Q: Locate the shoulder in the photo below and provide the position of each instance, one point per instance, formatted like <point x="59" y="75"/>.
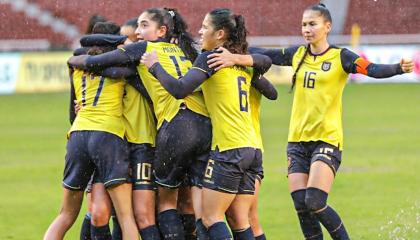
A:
<point x="293" y="49"/>
<point x="298" y="50"/>
<point x="346" y="53"/>
<point x="348" y="60"/>
<point x="134" y="46"/>
<point x="201" y="63"/>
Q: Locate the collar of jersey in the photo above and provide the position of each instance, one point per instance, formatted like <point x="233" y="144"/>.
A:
<point x="320" y="54"/>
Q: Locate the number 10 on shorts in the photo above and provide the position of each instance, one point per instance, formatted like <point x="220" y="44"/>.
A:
<point x="144" y="171"/>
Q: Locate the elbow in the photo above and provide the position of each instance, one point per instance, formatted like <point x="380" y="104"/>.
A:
<point x="265" y="63"/>
<point x="273" y="96"/>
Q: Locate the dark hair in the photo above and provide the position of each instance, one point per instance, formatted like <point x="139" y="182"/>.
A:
<point x="234" y="27"/>
<point x="325" y="13"/>
<point x="131" y="22"/>
<point x="297" y="68"/>
<point x="322" y="9"/>
<point x="93" y="20"/>
<point x="106" y="28"/>
<point x="176" y="27"/>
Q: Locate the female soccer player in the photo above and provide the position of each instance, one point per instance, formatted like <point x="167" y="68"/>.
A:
<point x="315" y="133"/>
<point x="184" y="130"/>
<point x="140" y="132"/>
<point x="233" y="211"/>
<point x="96" y="143"/>
<point x="231" y="170"/>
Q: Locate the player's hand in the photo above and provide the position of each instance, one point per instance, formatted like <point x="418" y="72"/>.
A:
<point x="78" y="61"/>
<point x="77" y="106"/>
<point x="148" y="59"/>
<point x="407" y="65"/>
<point x="222" y="58"/>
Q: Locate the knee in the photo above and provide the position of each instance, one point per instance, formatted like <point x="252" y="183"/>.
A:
<point x="100" y="214"/>
<point x="315" y="199"/>
<point x="230" y="217"/>
<point x="67" y="218"/>
<point x="209" y="220"/>
<point x="144" y="217"/>
<point x="299" y="200"/>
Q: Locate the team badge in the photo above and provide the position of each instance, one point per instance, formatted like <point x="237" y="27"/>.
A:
<point x="326" y="66"/>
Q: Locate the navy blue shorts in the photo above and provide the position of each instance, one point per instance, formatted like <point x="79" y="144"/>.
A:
<point x="233" y="171"/>
<point x="182" y="149"/>
<point x="260" y="169"/>
<point x="102" y="152"/>
<point x="300" y="156"/>
<point x="141" y="163"/>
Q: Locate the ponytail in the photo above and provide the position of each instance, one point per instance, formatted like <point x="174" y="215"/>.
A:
<point x="322" y="9"/>
<point x="176" y="27"/>
<point x="297" y="69"/>
<point x="185" y="40"/>
<point x="234" y="27"/>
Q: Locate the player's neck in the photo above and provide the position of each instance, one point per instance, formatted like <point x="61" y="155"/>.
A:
<point x="319" y="47"/>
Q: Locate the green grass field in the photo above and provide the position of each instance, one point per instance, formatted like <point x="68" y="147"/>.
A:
<point x="376" y="191"/>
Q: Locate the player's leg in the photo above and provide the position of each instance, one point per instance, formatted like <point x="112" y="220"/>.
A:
<point x="101" y="212"/>
<point x="186" y="210"/>
<point x="298" y="173"/>
<point x="85" y="229"/>
<point x="144" y="190"/>
<point x="215" y="204"/>
<point x="77" y="171"/>
<point x="325" y="162"/>
<point x="253" y="212"/>
<point x="173" y="156"/>
<point x="239" y="211"/>
<point x="238" y="216"/>
<point x="166" y="173"/>
<point x="116" y="228"/>
<point x="111" y="161"/>
<point x="222" y="180"/>
<point x="72" y="202"/>
<point x="121" y="196"/>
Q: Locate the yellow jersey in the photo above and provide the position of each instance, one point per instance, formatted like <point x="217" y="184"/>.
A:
<point x="226" y="93"/>
<point x="317" y="105"/>
<point x="139" y="120"/>
<point x="101" y="101"/>
<point x="173" y="60"/>
<point x="255" y="104"/>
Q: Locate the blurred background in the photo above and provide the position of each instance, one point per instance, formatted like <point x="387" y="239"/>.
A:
<point x="376" y="191"/>
<point x="48" y="27"/>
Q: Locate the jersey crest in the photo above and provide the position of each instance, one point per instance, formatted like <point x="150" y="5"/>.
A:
<point x="326" y="66"/>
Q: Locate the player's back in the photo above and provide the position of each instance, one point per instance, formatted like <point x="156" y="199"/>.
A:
<point x="100" y="99"/>
<point x="173" y="60"/>
<point x="226" y="94"/>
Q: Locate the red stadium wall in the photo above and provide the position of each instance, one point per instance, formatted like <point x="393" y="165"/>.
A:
<point x="384" y="16"/>
<point x="17" y="26"/>
<point x="263" y="18"/>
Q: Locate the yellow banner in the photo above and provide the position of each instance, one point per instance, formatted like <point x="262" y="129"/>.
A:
<point x="43" y="72"/>
<point x="279" y="75"/>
